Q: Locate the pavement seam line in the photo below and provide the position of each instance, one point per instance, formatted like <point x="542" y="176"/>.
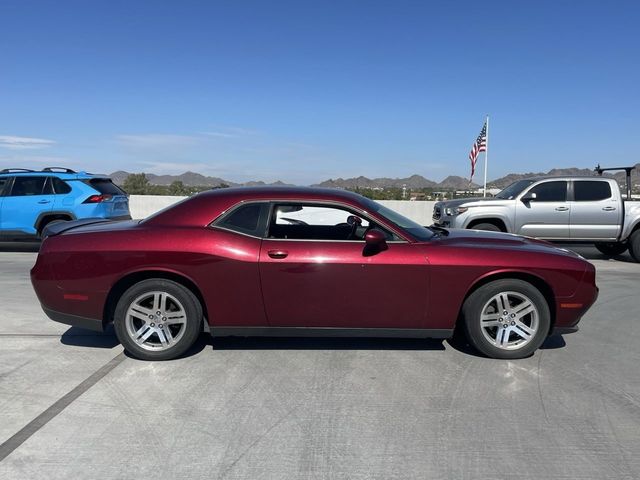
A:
<point x="58" y="407"/>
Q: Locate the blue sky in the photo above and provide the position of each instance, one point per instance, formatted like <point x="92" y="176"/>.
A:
<point x="307" y="90"/>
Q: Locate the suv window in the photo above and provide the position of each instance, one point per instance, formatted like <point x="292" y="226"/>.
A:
<point x="246" y="219"/>
<point x="105" y="186"/>
<point x="60" y="187"/>
<point x="550" y="192"/>
<point x="4" y="181"/>
<point x="23" y="186"/>
<point x="319" y="222"/>
<point x="591" y="190"/>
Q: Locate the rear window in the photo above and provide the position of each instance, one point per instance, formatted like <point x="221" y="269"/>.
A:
<point x="591" y="191"/>
<point x="105" y="186"/>
<point x="249" y="219"/>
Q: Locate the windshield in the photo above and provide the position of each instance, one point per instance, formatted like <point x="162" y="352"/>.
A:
<point x="415" y="229"/>
<point x="513" y="190"/>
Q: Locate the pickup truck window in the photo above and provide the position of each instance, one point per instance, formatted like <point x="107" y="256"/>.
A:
<point x="513" y="190"/>
<point x="591" y="191"/>
<point x="550" y="192"/>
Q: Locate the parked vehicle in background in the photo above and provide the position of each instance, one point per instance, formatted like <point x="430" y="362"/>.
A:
<point x="32" y="200"/>
<point x="304" y="261"/>
<point x="566" y="209"/>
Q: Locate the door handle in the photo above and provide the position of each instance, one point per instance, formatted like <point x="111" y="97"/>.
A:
<point x="44" y="201"/>
<point x="608" y="209"/>
<point x="277" y="254"/>
<point x="562" y="209"/>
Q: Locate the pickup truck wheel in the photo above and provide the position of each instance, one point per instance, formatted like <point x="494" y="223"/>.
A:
<point x="507" y="319"/>
<point x="612" y="249"/>
<point x="490" y="227"/>
<point x="634" y="245"/>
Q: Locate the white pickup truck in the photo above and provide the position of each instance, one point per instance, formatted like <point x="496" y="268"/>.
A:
<point x="566" y="209"/>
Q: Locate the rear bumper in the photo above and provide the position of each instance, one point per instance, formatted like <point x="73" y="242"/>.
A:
<point x="76" y="321"/>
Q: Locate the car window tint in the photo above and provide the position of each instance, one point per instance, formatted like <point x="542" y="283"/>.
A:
<point x="244" y="219"/>
<point x="319" y="222"/>
<point x="23" y="186"/>
<point x="4" y="181"/>
<point x="60" y="187"/>
<point x="591" y="191"/>
<point x="105" y="186"/>
<point x="48" y="187"/>
<point x="550" y="192"/>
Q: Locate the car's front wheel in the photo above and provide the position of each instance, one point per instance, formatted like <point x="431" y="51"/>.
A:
<point x="157" y="319"/>
<point x="507" y="319"/>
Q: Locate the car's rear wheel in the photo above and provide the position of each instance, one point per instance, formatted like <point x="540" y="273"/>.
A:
<point x="48" y="223"/>
<point x="157" y="319"/>
<point x="634" y="245"/>
<point x="612" y="249"/>
<point x="507" y="319"/>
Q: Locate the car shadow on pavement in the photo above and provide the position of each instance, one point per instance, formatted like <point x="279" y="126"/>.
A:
<point x="79" y="337"/>
<point x="324" y="343"/>
<point x="589" y="252"/>
<point x="460" y="343"/>
<point x="20" y="247"/>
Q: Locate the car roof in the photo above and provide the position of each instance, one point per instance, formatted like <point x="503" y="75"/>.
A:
<point x="566" y="177"/>
<point x="69" y="175"/>
<point x="285" y="193"/>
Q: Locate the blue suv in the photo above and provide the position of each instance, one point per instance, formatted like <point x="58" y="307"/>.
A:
<point x="31" y="200"/>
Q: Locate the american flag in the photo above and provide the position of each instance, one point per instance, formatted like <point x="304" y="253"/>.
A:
<point x="480" y="145"/>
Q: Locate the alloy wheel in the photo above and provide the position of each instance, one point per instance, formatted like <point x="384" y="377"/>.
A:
<point x="509" y="320"/>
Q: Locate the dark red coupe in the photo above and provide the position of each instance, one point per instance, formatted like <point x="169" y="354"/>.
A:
<point x="305" y="261"/>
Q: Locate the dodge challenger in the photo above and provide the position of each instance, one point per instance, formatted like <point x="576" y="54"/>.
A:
<point x="285" y="261"/>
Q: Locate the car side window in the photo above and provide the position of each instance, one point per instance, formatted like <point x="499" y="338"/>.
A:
<point x="25" y="186"/>
<point x="249" y="219"/>
<point x="59" y="187"/>
<point x="550" y="192"/>
<point x="299" y="221"/>
<point x="4" y="181"/>
<point x="591" y="191"/>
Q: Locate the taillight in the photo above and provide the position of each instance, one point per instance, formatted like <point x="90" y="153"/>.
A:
<point x="98" y="198"/>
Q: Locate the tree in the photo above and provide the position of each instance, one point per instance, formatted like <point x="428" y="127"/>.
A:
<point x="178" y="188"/>
<point x="136" y="184"/>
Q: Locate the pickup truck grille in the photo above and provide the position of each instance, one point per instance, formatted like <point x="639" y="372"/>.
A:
<point x="437" y="213"/>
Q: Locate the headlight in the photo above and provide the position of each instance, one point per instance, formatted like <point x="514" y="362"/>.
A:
<point x="456" y="210"/>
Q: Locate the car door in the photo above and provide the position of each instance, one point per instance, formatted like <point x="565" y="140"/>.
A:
<point x="29" y="197"/>
<point x="316" y="273"/>
<point x="543" y="211"/>
<point x="4" y="183"/>
<point x="595" y="211"/>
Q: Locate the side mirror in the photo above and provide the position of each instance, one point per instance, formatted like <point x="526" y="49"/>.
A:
<point x="527" y="197"/>
<point x="375" y="238"/>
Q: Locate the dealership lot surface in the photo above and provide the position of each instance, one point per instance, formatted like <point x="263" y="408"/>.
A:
<point x="320" y="408"/>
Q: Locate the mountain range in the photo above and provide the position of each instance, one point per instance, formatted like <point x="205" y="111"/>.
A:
<point x="414" y="182"/>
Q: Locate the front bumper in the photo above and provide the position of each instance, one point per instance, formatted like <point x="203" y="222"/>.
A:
<point x="76" y="321"/>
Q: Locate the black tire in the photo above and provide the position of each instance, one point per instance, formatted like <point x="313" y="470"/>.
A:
<point x="178" y="295"/>
<point x="47" y="223"/>
<point x="634" y="245"/>
<point x="489" y="227"/>
<point x="612" y="249"/>
<point x="472" y="311"/>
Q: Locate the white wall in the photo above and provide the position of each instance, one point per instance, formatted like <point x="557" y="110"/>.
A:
<point x="144" y="205"/>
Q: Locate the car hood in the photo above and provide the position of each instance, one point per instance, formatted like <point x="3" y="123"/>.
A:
<point x="485" y="239"/>
<point x="473" y="202"/>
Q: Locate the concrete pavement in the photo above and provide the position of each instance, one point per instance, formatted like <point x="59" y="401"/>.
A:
<point x="322" y="408"/>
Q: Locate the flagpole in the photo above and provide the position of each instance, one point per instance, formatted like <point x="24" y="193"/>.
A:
<point x="486" y="159"/>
